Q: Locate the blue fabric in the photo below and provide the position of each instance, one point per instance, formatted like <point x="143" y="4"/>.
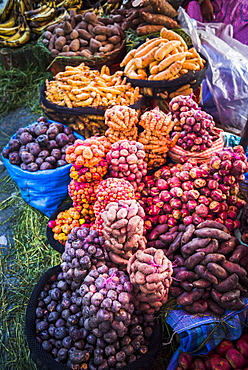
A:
<point x="195" y="330"/>
<point x="43" y="190"/>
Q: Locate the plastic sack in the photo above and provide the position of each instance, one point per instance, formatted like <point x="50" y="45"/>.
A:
<point x="44" y="190"/>
<point x="225" y="88"/>
<point x="199" y="335"/>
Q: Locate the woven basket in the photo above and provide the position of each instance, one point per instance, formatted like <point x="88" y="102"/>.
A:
<point x="163" y="89"/>
<point x="58" y="63"/>
<point x="87" y="121"/>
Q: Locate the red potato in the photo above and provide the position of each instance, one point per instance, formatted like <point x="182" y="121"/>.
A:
<point x="175" y="291"/>
<point x="211" y="223"/>
<point x="158" y="230"/>
<point x="217" y="270"/>
<point x="208" y="232"/>
<point x="242" y="346"/>
<point x="185" y="360"/>
<point x="192" y="261"/>
<point x="188" y="298"/>
<point x="210" y="248"/>
<point x="223" y="346"/>
<point x="232" y="267"/>
<point x="188" y="234"/>
<point x="230" y="296"/>
<point x="227" y="284"/>
<point x="235" y="358"/>
<point x="214" y="307"/>
<point x="213" y="257"/>
<point x="200" y="306"/>
<point x="186" y="275"/>
<point x="226" y="247"/>
<point x="239" y="252"/>
<point x="201" y="283"/>
<point x="198" y="364"/>
<point x="219" y="364"/>
<point x="195" y="243"/>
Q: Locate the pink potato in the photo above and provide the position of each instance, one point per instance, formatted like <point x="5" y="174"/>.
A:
<point x="223" y="346"/>
<point x="235" y="358"/>
<point x="242" y="346"/>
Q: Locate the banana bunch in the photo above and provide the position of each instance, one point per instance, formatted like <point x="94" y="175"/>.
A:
<point x="15" y="36"/>
<point x="44" y="16"/>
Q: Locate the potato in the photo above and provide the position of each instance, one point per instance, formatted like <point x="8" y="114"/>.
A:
<point x="60" y="42"/>
<point x="82" y="25"/>
<point x="83" y="34"/>
<point x="106" y="48"/>
<point x="67" y="28"/>
<point x="75" y="45"/>
<point x="102" y="30"/>
<point x="101" y="38"/>
<point x="47" y="35"/>
<point x="83" y="43"/>
<point x="94" y="44"/>
<point x="114" y="39"/>
<point x="74" y="34"/>
<point x="90" y="17"/>
<point x="65" y="48"/>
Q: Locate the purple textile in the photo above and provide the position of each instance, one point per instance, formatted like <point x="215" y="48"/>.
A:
<point x="234" y="12"/>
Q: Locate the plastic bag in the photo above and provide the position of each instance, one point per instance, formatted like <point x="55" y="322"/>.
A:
<point x="44" y="190"/>
<point x="199" y="335"/>
<point x="225" y="88"/>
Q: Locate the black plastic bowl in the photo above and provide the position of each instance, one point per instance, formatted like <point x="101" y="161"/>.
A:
<point x="45" y="361"/>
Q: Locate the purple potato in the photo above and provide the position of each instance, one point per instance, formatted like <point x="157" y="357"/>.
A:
<point x="62" y="139"/>
<point x="62" y="354"/>
<point x="67" y="342"/>
<point x="40" y="129"/>
<point x="50" y="159"/>
<point x="32" y="167"/>
<point x="5" y="152"/>
<point x="33" y="148"/>
<point x="14" y="158"/>
<point x="77" y="356"/>
<point x="42" y="140"/>
<point x="43" y="154"/>
<point x="43" y="119"/>
<point x="64" y="148"/>
<point x="52" y="145"/>
<point x="46" y="166"/>
<point x="56" y="153"/>
<point x="27" y="157"/>
<point x="52" y="131"/>
<point x="67" y="130"/>
<point x="71" y="138"/>
<point x="14" y="145"/>
<point x="60" y="332"/>
<point x="21" y="130"/>
<point x="23" y="166"/>
<point x="47" y="346"/>
<point x="39" y="161"/>
<point x="25" y="138"/>
<point x="53" y="316"/>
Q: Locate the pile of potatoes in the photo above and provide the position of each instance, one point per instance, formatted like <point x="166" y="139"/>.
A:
<point x="123" y="230"/>
<point x="83" y="35"/>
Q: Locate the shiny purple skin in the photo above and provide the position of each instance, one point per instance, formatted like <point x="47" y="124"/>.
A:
<point x="62" y="139"/>
<point x="32" y="167"/>
<point x="33" y="148"/>
<point x="27" y="157"/>
<point x="14" y="145"/>
<point x="25" y="138"/>
<point x="46" y="166"/>
<point x="14" y="158"/>
<point x="40" y="129"/>
<point x="42" y="140"/>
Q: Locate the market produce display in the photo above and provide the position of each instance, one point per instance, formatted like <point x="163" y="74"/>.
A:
<point x="82" y="87"/>
<point x="227" y="355"/>
<point x="41" y="146"/>
<point x="83" y="35"/>
<point x="166" y="57"/>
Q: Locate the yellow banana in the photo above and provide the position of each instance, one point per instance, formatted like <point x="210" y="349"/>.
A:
<point x="58" y="19"/>
<point x="30" y="13"/>
<point x="23" y="36"/>
<point x="44" y="16"/>
<point x="5" y="31"/>
<point x="9" y="23"/>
